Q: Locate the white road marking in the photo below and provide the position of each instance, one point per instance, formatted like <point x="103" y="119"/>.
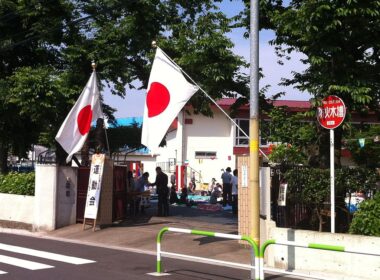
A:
<point x="3" y="272"/>
<point x="23" y="263"/>
<point x="44" y="255"/>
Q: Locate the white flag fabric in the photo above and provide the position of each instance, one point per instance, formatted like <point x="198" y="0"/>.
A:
<point x="74" y="130"/>
<point x="168" y="92"/>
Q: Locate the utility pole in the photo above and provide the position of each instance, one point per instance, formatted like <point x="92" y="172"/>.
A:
<point x="254" y="188"/>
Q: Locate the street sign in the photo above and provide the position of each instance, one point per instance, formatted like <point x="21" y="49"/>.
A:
<point x="332" y="112"/>
<point x="331" y="115"/>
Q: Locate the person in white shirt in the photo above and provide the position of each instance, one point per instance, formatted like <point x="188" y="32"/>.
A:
<point x="235" y="192"/>
<point x="211" y="186"/>
<point x="226" y="180"/>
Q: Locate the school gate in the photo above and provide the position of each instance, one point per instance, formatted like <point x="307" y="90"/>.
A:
<point x="119" y="197"/>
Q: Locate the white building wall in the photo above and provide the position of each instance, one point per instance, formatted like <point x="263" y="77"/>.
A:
<point x="210" y="135"/>
<point x="170" y="150"/>
<point x="205" y="134"/>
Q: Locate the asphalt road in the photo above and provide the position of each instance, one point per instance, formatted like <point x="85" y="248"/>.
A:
<point x="19" y="260"/>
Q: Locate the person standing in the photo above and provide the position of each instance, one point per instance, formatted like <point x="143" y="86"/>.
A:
<point x="162" y="190"/>
<point x="173" y="195"/>
<point x="227" y="186"/>
<point x="212" y="186"/>
<point x="234" y="192"/>
<point x="140" y="188"/>
<point x="172" y="179"/>
<point x="193" y="184"/>
<point x="131" y="199"/>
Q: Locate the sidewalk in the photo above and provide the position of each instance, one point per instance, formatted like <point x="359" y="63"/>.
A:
<point x="140" y="233"/>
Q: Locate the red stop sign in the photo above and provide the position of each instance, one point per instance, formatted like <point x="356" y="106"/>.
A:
<point x="332" y="112"/>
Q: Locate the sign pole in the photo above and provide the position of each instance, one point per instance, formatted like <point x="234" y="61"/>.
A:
<point x="332" y="180"/>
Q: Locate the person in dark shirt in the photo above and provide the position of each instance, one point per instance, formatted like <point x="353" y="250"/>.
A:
<point x="162" y="190"/>
<point x="173" y="195"/>
<point x="183" y="197"/>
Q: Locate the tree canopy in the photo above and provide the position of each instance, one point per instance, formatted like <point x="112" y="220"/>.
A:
<point x="46" y="48"/>
<point x="342" y="52"/>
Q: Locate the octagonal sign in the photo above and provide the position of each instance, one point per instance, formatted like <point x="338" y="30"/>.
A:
<point x="332" y="112"/>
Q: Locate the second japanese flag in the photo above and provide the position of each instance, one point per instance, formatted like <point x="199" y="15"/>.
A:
<point x="168" y="92"/>
<point x="74" y="130"/>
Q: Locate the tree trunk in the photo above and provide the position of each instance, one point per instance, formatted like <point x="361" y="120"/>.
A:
<point x="60" y="155"/>
<point x="324" y="148"/>
<point x="338" y="146"/>
<point x="3" y="158"/>
<point x="320" y="219"/>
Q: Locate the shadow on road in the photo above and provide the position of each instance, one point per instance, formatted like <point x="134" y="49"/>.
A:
<point x="200" y="275"/>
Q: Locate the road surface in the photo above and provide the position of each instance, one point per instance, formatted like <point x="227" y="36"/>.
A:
<point x="24" y="257"/>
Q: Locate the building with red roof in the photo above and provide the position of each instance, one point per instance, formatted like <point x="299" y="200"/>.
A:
<point x="207" y="145"/>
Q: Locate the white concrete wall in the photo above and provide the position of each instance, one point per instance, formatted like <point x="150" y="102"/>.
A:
<point x="54" y="203"/>
<point x="66" y="196"/>
<point x="17" y="208"/>
<point x="325" y="263"/>
<point x="45" y="197"/>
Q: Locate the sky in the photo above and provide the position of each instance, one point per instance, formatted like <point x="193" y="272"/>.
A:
<point x="133" y="104"/>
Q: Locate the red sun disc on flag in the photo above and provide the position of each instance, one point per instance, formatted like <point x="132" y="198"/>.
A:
<point x="157" y="100"/>
<point x="84" y="120"/>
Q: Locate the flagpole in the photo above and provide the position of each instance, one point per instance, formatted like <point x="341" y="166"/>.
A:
<point x="93" y="65"/>
<point x="208" y="96"/>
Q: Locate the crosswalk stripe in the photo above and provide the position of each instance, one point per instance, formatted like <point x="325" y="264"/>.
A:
<point x="43" y="254"/>
<point x="3" y="272"/>
<point x="23" y="263"/>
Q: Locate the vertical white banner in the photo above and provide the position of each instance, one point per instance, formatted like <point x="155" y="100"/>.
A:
<point x="281" y="201"/>
<point x="94" y="186"/>
<point x="244" y="176"/>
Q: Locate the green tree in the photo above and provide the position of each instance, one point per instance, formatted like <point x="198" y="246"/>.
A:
<point x="369" y="155"/>
<point x="31" y="33"/>
<point x="312" y="187"/>
<point x="286" y="154"/>
<point x="341" y="47"/>
<point x="297" y="131"/>
<point x="125" y="138"/>
<point x="192" y="33"/>
<point x="46" y="47"/>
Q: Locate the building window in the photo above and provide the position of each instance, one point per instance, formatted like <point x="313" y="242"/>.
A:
<point x="240" y="138"/>
<point x="211" y="155"/>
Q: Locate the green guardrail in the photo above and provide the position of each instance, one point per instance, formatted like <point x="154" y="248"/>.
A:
<point x="248" y="239"/>
<point x="258" y="251"/>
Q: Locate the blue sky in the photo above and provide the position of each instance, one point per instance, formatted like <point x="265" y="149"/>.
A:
<point x="133" y="104"/>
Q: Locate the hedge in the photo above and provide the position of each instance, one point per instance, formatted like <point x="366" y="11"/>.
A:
<point x="367" y="219"/>
<point x="17" y="183"/>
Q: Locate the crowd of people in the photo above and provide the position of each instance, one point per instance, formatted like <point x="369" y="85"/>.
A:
<point x="228" y="191"/>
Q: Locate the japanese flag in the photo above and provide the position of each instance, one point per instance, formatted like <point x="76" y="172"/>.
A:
<point x="168" y="92"/>
<point x="74" y="130"/>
